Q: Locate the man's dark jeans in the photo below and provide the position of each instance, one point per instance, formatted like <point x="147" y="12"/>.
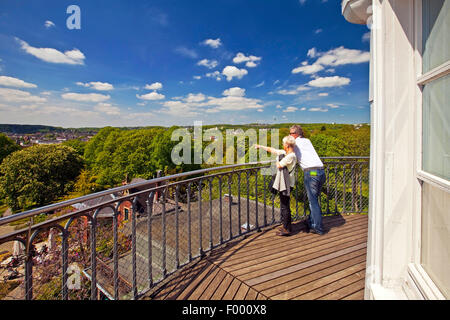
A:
<point x="314" y="181"/>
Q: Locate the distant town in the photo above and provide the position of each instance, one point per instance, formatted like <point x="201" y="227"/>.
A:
<point x="28" y="135"/>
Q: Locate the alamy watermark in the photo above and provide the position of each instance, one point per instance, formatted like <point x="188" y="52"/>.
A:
<point x="74" y="20"/>
<point x="234" y="145"/>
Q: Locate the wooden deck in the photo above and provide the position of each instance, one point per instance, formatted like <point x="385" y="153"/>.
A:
<point x="266" y="266"/>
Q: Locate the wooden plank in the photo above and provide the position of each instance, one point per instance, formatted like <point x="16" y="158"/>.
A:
<point x="359" y="295"/>
<point x="232" y="289"/>
<point x="310" y="275"/>
<point x="242" y="292"/>
<point x="282" y="251"/>
<point x="261" y="296"/>
<point x="293" y="293"/>
<point x="250" y="247"/>
<point x="339" y="284"/>
<point x="271" y="280"/>
<point x="251" y="294"/>
<point x="177" y="283"/>
<point x="213" y="286"/>
<point x="258" y="241"/>
<point x="248" y="255"/>
<point x="260" y="268"/>
<point x="219" y="293"/>
<point x="351" y="289"/>
<point x="191" y="287"/>
<point x="200" y="289"/>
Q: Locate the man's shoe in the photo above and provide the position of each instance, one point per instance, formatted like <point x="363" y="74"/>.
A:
<point x="321" y="233"/>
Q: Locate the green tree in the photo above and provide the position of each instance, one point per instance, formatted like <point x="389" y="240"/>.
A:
<point x="76" y="144"/>
<point x="7" y="146"/>
<point x="38" y="175"/>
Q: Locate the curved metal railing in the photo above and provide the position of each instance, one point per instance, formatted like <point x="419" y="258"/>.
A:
<point x="121" y="242"/>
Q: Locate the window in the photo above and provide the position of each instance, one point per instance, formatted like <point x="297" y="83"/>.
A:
<point x="435" y="162"/>
<point x="125" y="214"/>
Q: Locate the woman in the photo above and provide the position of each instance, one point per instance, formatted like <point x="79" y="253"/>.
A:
<point x="289" y="162"/>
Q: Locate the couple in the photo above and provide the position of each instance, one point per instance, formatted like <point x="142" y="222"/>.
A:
<point x="297" y="148"/>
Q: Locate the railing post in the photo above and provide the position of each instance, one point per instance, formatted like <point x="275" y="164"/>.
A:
<point x="220" y="209"/>
<point x="247" y="175"/>
<point x="230" y="203"/>
<point x="210" y="215"/>
<point x="164" y="235"/>
<point x="93" y="223"/>
<point x="116" y="254"/>
<point x="29" y="274"/>
<point x="133" y="247"/>
<point x="177" y="246"/>
<point x="189" y="221"/>
<point x="239" y="205"/>
<point x="149" y="204"/>
<point x="200" y="233"/>
<point x="256" y="200"/>
<point x="65" y="265"/>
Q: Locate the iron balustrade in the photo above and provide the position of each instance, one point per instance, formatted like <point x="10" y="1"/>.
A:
<point x="104" y="251"/>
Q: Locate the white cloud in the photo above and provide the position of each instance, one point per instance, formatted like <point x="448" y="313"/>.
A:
<point x="231" y="71"/>
<point x="151" y="96"/>
<point x="85" y="97"/>
<point x="190" y="53"/>
<point x="213" y="43"/>
<point x="250" y="60"/>
<point x="49" y="24"/>
<point x="210" y="64"/>
<point x="154" y="86"/>
<point x="107" y="108"/>
<point x="234" y="92"/>
<point x="195" y="104"/>
<point x="318" y="109"/>
<point x="302" y="2"/>
<point x="342" y="56"/>
<point x="215" y="74"/>
<point x="260" y="84"/>
<point x="75" y="56"/>
<point x="197" y="77"/>
<point x="323" y="94"/>
<point x="279" y="107"/>
<point x="293" y="91"/>
<point x="335" y="57"/>
<point x="14" y="82"/>
<point x="308" y="69"/>
<point x="333" y="106"/>
<point x="318" y="31"/>
<point x="100" y="86"/>
<point x="324" y="82"/>
<point x="14" y="95"/>
<point x="290" y="109"/>
<point x="195" y="97"/>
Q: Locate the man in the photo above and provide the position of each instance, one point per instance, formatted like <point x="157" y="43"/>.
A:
<point x="314" y="178"/>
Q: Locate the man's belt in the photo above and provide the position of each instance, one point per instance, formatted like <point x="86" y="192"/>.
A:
<point x="312" y="169"/>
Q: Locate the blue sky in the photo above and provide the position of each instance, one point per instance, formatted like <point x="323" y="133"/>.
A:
<point x="138" y="63"/>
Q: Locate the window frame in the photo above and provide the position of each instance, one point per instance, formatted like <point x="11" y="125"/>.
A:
<point x="417" y="275"/>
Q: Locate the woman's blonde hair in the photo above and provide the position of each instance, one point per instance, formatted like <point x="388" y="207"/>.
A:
<point x="289" y="140"/>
